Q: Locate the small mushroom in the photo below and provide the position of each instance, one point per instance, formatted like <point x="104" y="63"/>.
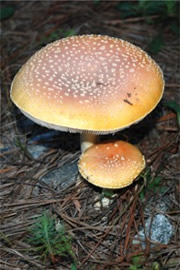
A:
<point x="111" y="165"/>
<point x="90" y="84"/>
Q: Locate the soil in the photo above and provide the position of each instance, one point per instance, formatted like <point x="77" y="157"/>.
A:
<point x="102" y="238"/>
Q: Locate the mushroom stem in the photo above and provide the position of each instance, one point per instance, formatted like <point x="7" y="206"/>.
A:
<point x="87" y="140"/>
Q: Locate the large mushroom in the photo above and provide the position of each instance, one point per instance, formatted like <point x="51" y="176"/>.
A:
<point x="90" y="84"/>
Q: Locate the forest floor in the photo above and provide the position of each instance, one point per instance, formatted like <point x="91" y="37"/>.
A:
<point x="94" y="238"/>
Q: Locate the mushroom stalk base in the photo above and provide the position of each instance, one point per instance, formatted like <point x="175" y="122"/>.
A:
<point x="88" y="140"/>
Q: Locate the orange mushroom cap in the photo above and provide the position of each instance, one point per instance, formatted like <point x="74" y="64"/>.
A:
<point x="88" y="83"/>
<point x="111" y="165"/>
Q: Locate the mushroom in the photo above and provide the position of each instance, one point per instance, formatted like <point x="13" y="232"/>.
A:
<point x="90" y="84"/>
<point x="111" y="165"/>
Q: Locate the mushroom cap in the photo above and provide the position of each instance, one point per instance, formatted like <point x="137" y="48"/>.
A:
<point x="89" y="83"/>
<point x="111" y="165"/>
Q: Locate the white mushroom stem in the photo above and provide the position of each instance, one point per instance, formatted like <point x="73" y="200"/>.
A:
<point x="87" y="140"/>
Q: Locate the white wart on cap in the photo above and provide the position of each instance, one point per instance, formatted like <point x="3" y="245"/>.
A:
<point x="88" y="83"/>
<point x="111" y="165"/>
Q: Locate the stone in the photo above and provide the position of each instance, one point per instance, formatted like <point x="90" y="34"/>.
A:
<point x="158" y="230"/>
<point x="62" y="177"/>
<point x="37" y="150"/>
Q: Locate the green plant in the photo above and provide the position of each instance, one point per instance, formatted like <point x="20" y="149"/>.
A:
<point x="137" y="262"/>
<point x="6" y="12"/>
<point x="162" y="13"/>
<point x="21" y="144"/>
<point x="165" y="10"/>
<point x="69" y="32"/>
<point x="156" y="44"/>
<point x="50" y="240"/>
<point x="96" y="1"/>
<point x="153" y="184"/>
<point x="55" y="35"/>
<point x="173" y="105"/>
<point x="107" y="193"/>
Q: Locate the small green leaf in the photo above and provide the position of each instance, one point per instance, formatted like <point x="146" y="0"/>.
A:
<point x="6" y="12"/>
<point x="155" y="183"/>
<point x="107" y="193"/>
<point x="54" y="35"/>
<point x="125" y="6"/>
<point x="141" y="195"/>
<point x="173" y="105"/>
<point x="175" y="27"/>
<point x="156" y="44"/>
<point x="171" y="7"/>
<point x="135" y="260"/>
<point x="73" y="267"/>
<point x="146" y="7"/>
<point x="96" y="2"/>
<point x="132" y="267"/>
<point x="138" y="261"/>
<point x="146" y="175"/>
<point x="128" y="9"/>
<point x="69" y="33"/>
<point x="163" y="189"/>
